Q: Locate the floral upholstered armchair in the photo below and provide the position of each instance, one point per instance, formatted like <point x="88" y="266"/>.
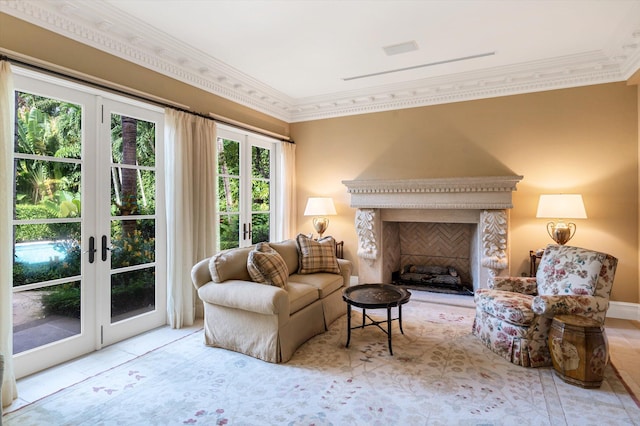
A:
<point x="514" y="315"/>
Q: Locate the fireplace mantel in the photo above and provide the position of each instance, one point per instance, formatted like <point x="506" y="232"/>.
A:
<point x="478" y="193"/>
<point x="483" y="200"/>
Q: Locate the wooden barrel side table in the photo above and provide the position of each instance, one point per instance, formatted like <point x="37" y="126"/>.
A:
<point x="579" y="350"/>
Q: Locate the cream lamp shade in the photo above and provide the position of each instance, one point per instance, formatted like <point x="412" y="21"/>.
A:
<point x="560" y="207"/>
<point x="320" y="207"/>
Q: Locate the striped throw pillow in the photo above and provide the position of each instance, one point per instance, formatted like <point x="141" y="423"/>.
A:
<point x="317" y="256"/>
<point x="266" y="266"/>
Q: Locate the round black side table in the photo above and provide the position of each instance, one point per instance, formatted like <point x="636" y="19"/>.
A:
<point x="375" y="296"/>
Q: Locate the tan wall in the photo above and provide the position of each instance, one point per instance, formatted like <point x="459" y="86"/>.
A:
<point x="26" y="39"/>
<point x="582" y="140"/>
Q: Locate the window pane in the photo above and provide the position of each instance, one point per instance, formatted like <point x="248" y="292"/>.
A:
<point x="45" y="315"/>
<point x="46" y="252"/>
<point x="228" y="157"/>
<point x="260" y="227"/>
<point x="132" y="141"/>
<point x="132" y="242"/>
<point x="260" y="195"/>
<point x="229" y="235"/>
<point x="132" y="293"/>
<point x="146" y="143"/>
<point x="132" y="191"/>
<point x="260" y="162"/>
<point x="228" y="194"/>
<point x="47" y="189"/>
<point x="46" y="126"/>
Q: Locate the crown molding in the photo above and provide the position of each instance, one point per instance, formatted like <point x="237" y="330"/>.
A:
<point x="94" y="24"/>
<point x="105" y="28"/>
<point x="577" y="70"/>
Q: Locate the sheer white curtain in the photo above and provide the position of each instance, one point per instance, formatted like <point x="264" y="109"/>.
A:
<point x="287" y="190"/>
<point x="190" y="167"/>
<point x="9" y="390"/>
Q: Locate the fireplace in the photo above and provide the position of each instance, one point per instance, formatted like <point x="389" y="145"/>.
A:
<point x="469" y="214"/>
<point x="434" y="256"/>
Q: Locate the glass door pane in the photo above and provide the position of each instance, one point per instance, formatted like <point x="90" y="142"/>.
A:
<point x="47" y="215"/>
<point x="260" y="194"/>
<point x="133" y="223"/>
<point x="229" y="194"/>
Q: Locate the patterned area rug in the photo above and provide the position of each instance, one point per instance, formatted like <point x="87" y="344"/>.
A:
<point x="440" y="374"/>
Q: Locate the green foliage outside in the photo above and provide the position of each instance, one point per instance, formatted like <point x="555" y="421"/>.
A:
<point x="229" y="193"/>
<point x="30" y="273"/>
<point x="129" y="291"/>
<point x="49" y="129"/>
<point x="132" y="290"/>
<point x="42" y="231"/>
<point x="135" y="249"/>
<point x="49" y="187"/>
<point x="62" y="300"/>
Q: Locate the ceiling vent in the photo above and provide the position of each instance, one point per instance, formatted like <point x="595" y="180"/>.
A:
<point x="414" y="67"/>
<point x="396" y="49"/>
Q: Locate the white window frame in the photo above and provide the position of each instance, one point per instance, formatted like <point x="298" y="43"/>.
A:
<point x="247" y="139"/>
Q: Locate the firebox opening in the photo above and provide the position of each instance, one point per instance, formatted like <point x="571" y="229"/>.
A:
<point x="437" y="279"/>
<point x="433" y="256"/>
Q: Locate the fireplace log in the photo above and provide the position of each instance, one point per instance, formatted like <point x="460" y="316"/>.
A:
<point x="431" y="274"/>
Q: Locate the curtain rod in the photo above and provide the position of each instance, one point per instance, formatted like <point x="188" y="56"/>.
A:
<point x="144" y="97"/>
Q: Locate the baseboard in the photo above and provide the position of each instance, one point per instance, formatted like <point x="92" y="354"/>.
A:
<point x="624" y="310"/>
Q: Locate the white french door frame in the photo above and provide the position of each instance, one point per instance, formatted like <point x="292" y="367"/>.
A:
<point x="246" y="141"/>
<point x="113" y="332"/>
<point x="41" y="357"/>
<point x="97" y="330"/>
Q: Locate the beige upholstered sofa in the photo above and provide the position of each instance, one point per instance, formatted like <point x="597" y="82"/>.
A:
<point x="267" y="321"/>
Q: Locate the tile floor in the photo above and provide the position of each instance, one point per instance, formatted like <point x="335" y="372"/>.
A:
<point x="624" y="350"/>
<point x="623" y="337"/>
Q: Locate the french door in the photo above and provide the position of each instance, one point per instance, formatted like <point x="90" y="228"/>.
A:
<point x="246" y="201"/>
<point x="88" y="228"/>
<point x="130" y="221"/>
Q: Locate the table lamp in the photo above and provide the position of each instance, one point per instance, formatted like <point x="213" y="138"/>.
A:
<point x="560" y="207"/>
<point x="320" y="207"/>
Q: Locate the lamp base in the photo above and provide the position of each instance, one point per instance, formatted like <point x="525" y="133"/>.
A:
<point x="561" y="232"/>
<point x="320" y="224"/>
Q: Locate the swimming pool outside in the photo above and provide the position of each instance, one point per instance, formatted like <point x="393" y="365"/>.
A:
<point x="39" y="252"/>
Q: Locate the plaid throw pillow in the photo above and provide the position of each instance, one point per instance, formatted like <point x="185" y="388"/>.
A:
<point x="317" y="256"/>
<point x="266" y="266"/>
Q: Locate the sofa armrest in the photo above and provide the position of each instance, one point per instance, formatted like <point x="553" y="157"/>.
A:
<point x="248" y="296"/>
<point x="200" y="274"/>
<point x="524" y="285"/>
<point x="589" y="306"/>
<point x="345" y="270"/>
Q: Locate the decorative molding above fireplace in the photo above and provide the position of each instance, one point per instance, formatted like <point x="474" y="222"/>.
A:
<point x="481" y="200"/>
<point x="490" y="192"/>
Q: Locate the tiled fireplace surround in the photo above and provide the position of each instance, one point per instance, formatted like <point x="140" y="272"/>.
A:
<point x="387" y="207"/>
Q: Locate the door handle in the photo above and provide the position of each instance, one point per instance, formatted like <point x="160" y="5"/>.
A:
<point x="104" y="248"/>
<point x="246" y="231"/>
<point x="92" y="249"/>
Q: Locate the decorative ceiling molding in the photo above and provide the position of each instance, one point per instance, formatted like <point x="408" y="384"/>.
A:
<point x="105" y="28"/>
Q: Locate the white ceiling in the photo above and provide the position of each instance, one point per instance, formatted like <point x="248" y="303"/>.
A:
<point x="290" y="58"/>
